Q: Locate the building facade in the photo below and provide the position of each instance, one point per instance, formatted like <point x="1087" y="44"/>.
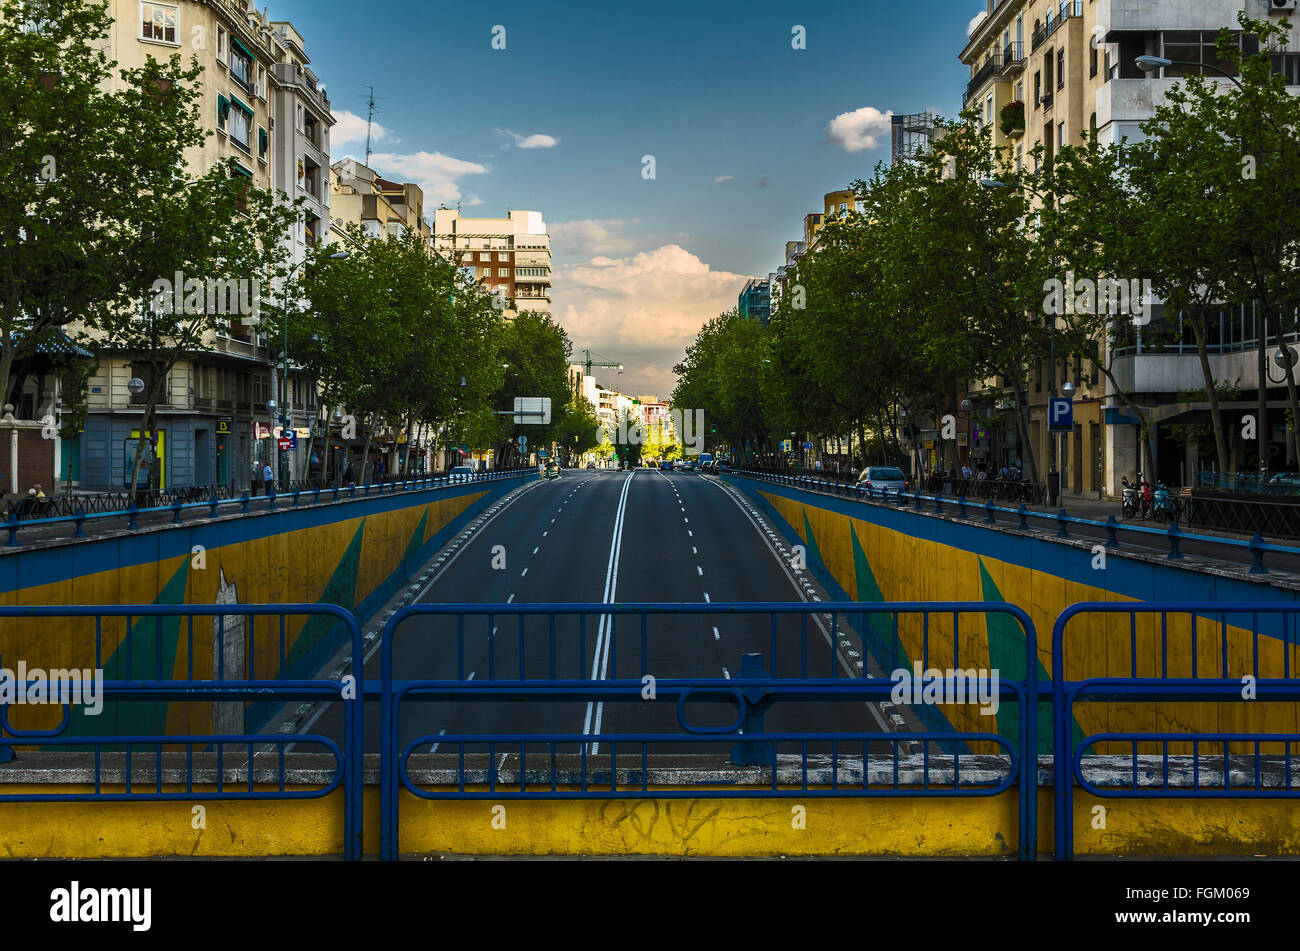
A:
<point x="213" y="422"/>
<point x="511" y="255"/>
<point x="1046" y="73"/>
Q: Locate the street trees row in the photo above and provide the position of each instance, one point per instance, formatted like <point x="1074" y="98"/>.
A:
<point x="944" y="280"/>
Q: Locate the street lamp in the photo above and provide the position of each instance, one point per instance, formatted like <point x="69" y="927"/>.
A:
<point x="1149" y="64"/>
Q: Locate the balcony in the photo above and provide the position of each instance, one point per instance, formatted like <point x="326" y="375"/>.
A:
<point x="1067" y="11"/>
<point x="990" y="68"/>
<point x="1013" y="58"/>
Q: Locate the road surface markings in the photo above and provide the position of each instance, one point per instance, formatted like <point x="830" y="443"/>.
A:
<point x="716" y="636"/>
<point x="693" y="551"/>
<point x="535" y="549"/>
<point x="600" y="661"/>
<point x="690" y="533"/>
<point x="545" y="533"/>
<point x="726" y="673"/>
<point x="706" y="598"/>
<point x="510" y="599"/>
<point x="699" y="571"/>
<point x="434" y="748"/>
<point x="524" y="572"/>
<point x="725" y="490"/>
<point x="552" y="521"/>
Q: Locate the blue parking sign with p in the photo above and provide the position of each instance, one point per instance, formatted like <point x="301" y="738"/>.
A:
<point x="1060" y="414"/>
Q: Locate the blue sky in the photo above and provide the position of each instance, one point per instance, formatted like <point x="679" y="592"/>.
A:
<point x="558" y="122"/>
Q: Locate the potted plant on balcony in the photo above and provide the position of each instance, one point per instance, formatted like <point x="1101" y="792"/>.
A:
<point x="1012" y="117"/>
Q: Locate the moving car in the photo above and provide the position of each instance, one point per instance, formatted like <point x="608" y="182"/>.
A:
<point x="665" y="464"/>
<point x="461" y="474"/>
<point x="550" y="471"/>
<point x="886" y="478"/>
<point x="591" y="465"/>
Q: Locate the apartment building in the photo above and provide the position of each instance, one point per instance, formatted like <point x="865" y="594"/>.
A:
<point x="213" y="421"/>
<point x="1045" y="72"/>
<point x="512" y="254"/>
<point x="360" y="196"/>
<point x="754" y="300"/>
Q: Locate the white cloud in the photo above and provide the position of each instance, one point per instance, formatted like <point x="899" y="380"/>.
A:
<point x="860" y="129"/>
<point x="975" y="21"/>
<point x="350" y="127"/>
<point x="642" y="309"/>
<point x="581" y="239"/>
<point x="435" y="173"/>
<point x="470" y="200"/>
<point x="537" y="140"/>
<point x="723" y="178"/>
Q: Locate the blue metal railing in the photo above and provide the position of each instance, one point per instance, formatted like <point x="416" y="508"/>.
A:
<point x="448" y="634"/>
<point x="535" y="673"/>
<point x="226" y="506"/>
<point x="1061" y="520"/>
<point x="1202" y="672"/>
<point x="139" y="679"/>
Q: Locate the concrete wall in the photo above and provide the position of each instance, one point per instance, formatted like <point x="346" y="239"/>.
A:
<point x="871" y="552"/>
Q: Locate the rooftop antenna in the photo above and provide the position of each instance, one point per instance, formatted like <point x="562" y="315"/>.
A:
<point x="370" y="115"/>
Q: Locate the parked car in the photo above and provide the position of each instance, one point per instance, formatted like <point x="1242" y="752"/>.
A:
<point x="665" y="464"/>
<point x="461" y="474"/>
<point x="688" y="466"/>
<point x="886" y="478"/>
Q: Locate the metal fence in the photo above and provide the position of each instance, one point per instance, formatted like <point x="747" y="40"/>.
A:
<point x="810" y="666"/>
<point x="1246" y="515"/>
<point x="1255" y="483"/>
<point x="580" y="701"/>
<point x="215" y="504"/>
<point x="1171" y="538"/>
<point x="1194" y="652"/>
<point x="150" y="657"/>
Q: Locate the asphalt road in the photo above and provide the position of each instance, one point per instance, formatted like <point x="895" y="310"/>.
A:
<point x="605" y="536"/>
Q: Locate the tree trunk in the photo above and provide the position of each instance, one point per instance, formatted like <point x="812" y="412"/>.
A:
<point x="365" y="453"/>
<point x="1207" y="374"/>
<point x="1261" y="423"/>
<point x="146" y="427"/>
<point x="406" y="460"/>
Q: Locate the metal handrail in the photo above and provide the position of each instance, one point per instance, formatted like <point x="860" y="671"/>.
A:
<point x="1174" y="536"/>
<point x="297" y="496"/>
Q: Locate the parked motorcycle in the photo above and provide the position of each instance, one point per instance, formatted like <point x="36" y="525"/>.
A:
<point x="1131" y="503"/>
<point x="1166" y="506"/>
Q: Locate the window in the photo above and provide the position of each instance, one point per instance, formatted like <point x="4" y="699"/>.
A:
<point x="1092" y="62"/>
<point x="1193" y="47"/>
<point x="467" y="257"/>
<point x="1038" y="89"/>
<point x="158" y="22"/>
<point x="1060" y="68"/>
<point x="503" y="256"/>
<point x="223" y="112"/>
<point x="223" y="47"/>
<point x="263" y="141"/>
<point x="484" y="256"/>
<point x="503" y="272"/>
<point x="241" y="125"/>
<point x="261" y="81"/>
<point x="241" y="66"/>
<point x="1060" y="134"/>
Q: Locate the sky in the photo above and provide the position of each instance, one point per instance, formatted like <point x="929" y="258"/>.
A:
<point x="746" y="133"/>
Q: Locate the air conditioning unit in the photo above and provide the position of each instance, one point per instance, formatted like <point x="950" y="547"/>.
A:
<point x="1282" y="6"/>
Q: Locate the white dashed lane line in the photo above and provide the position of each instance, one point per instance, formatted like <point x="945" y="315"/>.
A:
<point x="524" y="572"/>
<point x="716" y="636"/>
<point x="535" y="549"/>
<point x="510" y="599"/>
<point x="698" y="570"/>
<point x="726" y="673"/>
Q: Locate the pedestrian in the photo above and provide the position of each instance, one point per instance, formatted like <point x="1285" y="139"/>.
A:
<point x="349" y="474"/>
<point x="982" y="474"/>
<point x="255" y="482"/>
<point x="36" y="492"/>
<point x="314" y="468"/>
<point x="965" y="471"/>
<point x="268" y="479"/>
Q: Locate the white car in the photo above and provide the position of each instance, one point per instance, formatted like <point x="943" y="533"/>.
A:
<point x="461" y="474"/>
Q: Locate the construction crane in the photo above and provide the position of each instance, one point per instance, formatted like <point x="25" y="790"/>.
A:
<point x="589" y="363"/>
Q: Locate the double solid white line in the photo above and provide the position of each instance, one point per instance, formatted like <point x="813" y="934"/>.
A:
<point x="605" y="632"/>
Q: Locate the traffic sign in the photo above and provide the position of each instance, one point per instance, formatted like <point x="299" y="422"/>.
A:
<point x="523" y="441"/>
<point x="542" y="453"/>
<point x="1060" y="414"/>
<point x="285" y="443"/>
<point x="786" y="445"/>
<point x="807" y="445"/>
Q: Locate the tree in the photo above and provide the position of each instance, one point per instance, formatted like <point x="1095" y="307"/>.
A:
<point x="88" y="201"/>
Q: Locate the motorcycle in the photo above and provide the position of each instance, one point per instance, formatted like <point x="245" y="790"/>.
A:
<point x="1166" y="506"/>
<point x="1130" y="504"/>
<point x="1148" y="498"/>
